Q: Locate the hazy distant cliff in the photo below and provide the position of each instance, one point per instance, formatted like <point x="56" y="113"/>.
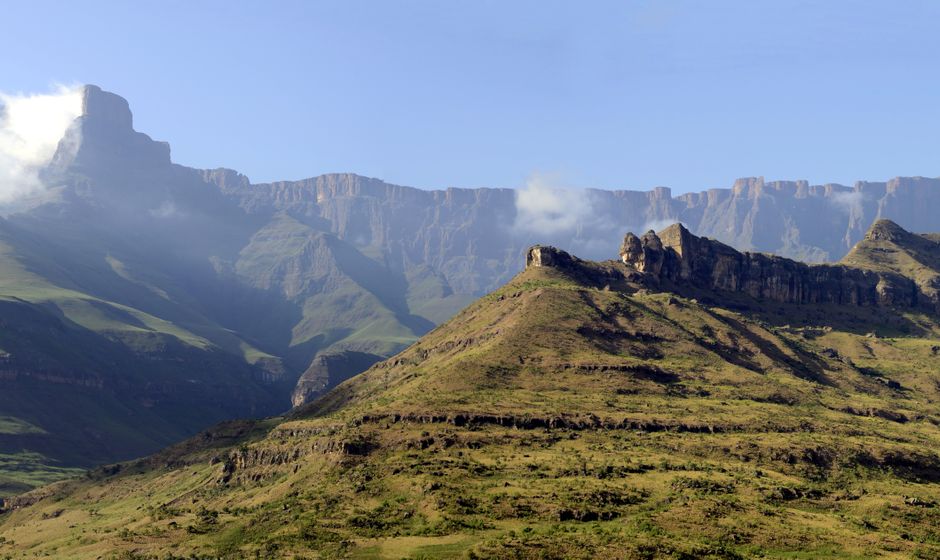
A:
<point x="473" y="236"/>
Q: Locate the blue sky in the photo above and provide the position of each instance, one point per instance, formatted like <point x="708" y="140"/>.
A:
<point x="435" y="94"/>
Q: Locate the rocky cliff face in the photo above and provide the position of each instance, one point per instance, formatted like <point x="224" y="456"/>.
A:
<point x="676" y="257"/>
<point x="539" y="256"/>
<point x="474" y="237"/>
<point x="104" y="135"/>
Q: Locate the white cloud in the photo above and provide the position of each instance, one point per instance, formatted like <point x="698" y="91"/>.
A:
<point x="849" y="202"/>
<point x="167" y="209"/>
<point x="584" y="221"/>
<point x="544" y="208"/>
<point x="30" y="129"/>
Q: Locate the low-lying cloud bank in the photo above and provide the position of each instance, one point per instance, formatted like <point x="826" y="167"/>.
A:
<point x="31" y="126"/>
<point x="849" y="202"/>
<point x="585" y="221"/>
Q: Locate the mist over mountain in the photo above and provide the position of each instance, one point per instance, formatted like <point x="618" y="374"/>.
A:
<point x="145" y="300"/>
<point x="31" y="127"/>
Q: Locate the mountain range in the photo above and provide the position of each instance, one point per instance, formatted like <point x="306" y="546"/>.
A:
<point x="685" y="400"/>
<point x="144" y="300"/>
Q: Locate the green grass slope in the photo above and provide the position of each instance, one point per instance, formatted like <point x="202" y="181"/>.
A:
<point x="557" y="418"/>
<point x="102" y="379"/>
<point x="348" y="301"/>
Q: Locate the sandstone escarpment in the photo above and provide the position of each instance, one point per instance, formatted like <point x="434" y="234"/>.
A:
<point x="676" y="257"/>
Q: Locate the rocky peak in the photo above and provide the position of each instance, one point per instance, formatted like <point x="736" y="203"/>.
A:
<point x="650" y="239"/>
<point x="677" y="237"/>
<point x="886" y="230"/>
<point x="105" y="109"/>
<point x="643" y="253"/>
<point x="103" y="138"/>
<point x="631" y="250"/>
<point x="545" y="256"/>
<point x="647" y="254"/>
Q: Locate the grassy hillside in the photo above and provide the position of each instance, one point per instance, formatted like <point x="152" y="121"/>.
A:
<point x="347" y="300"/>
<point x="558" y="418"/>
<point x="103" y="365"/>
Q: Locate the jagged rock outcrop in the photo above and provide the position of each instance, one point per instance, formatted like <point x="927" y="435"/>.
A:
<point x="676" y="257"/>
<point x="104" y="135"/>
<point x="646" y="253"/>
<point x="540" y="255"/>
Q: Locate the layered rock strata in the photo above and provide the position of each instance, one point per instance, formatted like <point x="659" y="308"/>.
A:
<point x="676" y="256"/>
